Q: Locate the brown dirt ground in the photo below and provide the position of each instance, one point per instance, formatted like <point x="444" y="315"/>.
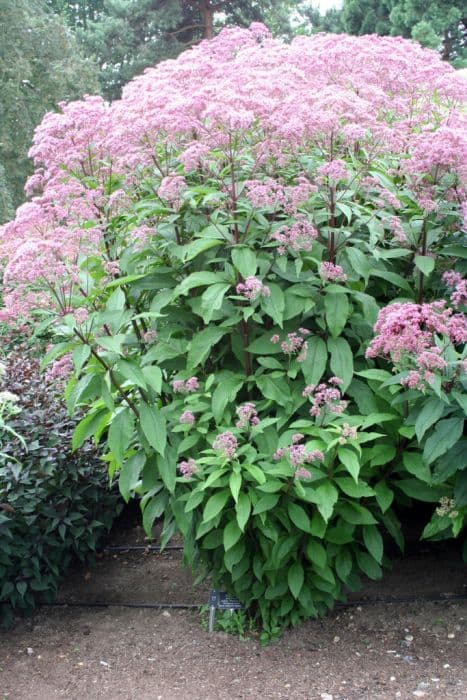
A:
<point x="363" y="652"/>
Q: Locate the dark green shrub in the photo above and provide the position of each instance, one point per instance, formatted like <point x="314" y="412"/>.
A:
<point x="54" y="506"/>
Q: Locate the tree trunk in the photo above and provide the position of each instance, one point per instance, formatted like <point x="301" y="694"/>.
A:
<point x="207" y="18"/>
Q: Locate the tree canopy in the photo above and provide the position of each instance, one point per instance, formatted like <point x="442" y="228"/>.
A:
<point x="40" y="65"/>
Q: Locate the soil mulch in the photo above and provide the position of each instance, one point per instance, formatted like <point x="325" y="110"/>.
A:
<point x="362" y="652"/>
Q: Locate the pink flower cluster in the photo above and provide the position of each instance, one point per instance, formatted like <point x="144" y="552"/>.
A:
<point x="247" y="415"/>
<point x="188" y="468"/>
<point x="226" y="443"/>
<point x="326" y="398"/>
<point x="332" y="273"/>
<point x="298" y="456"/>
<point x="459" y="284"/>
<point x="171" y="188"/>
<point x="299" y="236"/>
<point x="150" y="336"/>
<point x="60" y="369"/>
<point x="405" y="334"/>
<point x="185" y="387"/>
<point x="187" y="417"/>
<point x="335" y="170"/>
<point x="294" y="344"/>
<point x="252" y="288"/>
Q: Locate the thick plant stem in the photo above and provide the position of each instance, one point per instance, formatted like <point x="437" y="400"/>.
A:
<point x="421" y="290"/>
<point x="246" y="341"/>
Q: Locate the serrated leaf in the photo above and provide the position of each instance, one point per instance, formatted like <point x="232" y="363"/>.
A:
<point x="350" y="461"/>
<point x="232" y="534"/>
<point x="373" y="542"/>
<point x="243" y="509"/>
<point x="425" y="264"/>
<point x="341" y="360"/>
<point x="337" y="312"/>
<point x="202" y="344"/>
<point x="274" y="304"/>
<point x="299" y="517"/>
<point x="215" y="504"/>
<point x="235" y="483"/>
<point x="244" y="259"/>
<point x="120" y="433"/>
<point x="129" y="474"/>
<point x="314" y="365"/>
<point x="446" y="433"/>
<point x="154" y="427"/>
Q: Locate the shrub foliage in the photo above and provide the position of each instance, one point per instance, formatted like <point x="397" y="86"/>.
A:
<point x="254" y="264"/>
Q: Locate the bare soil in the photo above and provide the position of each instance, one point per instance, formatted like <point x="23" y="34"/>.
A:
<point x="362" y="652"/>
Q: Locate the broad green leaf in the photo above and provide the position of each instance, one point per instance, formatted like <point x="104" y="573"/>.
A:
<point x="343" y="563"/>
<point x="112" y="343"/>
<point x="425" y="264"/>
<point x="355" y="514"/>
<point x="86" y="428"/>
<point x="350" y="461"/>
<point x="368" y="565"/>
<point x="198" y="279"/>
<point x="384" y="495"/>
<point x="80" y="354"/>
<point x="397" y="280"/>
<point x="420" y="491"/>
<point x="154" y="427"/>
<point x="266" y="502"/>
<point x="235" y="483"/>
<point x="263" y="345"/>
<point x="431" y="412"/>
<point x="121" y="431"/>
<point x="244" y="259"/>
<point x="196" y="247"/>
<point x="446" y="433"/>
<point x="274" y="304"/>
<point x="225" y="393"/>
<point x="232" y="534"/>
<point x="215" y="504"/>
<point x="416" y="465"/>
<point x="316" y="553"/>
<point x="337" y="312"/>
<point x="295" y="579"/>
<point x="243" y="509"/>
<point x="299" y="517"/>
<point x="129" y="474"/>
<point x="383" y="453"/>
<point x="314" y="365"/>
<point x="352" y="489"/>
<point x="373" y="542"/>
<point x="153" y="376"/>
<point x="202" y="344"/>
<point x="326" y="497"/>
<point x="167" y="466"/>
<point x="131" y="371"/>
<point x="274" y="388"/>
<point x="116" y="301"/>
<point x="212" y="299"/>
<point x="341" y="360"/>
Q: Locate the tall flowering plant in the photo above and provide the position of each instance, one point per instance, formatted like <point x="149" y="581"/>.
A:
<point x="254" y="265"/>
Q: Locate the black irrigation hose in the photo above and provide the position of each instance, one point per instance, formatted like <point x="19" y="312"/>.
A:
<point x="384" y="600"/>
<point x="144" y="548"/>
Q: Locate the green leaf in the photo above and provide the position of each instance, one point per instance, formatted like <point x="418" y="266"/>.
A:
<point x="112" y="343"/>
<point x="129" y="474"/>
<point x="431" y="412"/>
<point x="131" y="372"/>
<point x="167" y="466"/>
<point x="274" y="304"/>
<point x="316" y="553"/>
<point x="80" y="354"/>
<point x="350" y="461"/>
<point x="153" y="377"/>
<point x="416" y="465"/>
<point x="446" y="433"/>
<point x="202" y="344"/>
<point x="373" y="542"/>
<point x="314" y="365"/>
<point x="212" y="299"/>
<point x="263" y="345"/>
<point x="368" y="565"/>
<point x="326" y="497"/>
<point x="384" y="495"/>
<point x="397" y="280"/>
<point x="154" y="427"/>
<point x="295" y="579"/>
<point x="243" y="509"/>
<point x="420" y="491"/>
<point x="277" y="388"/>
<point x="299" y="517"/>
<point x="425" y="264"/>
<point x="196" y="247"/>
<point x="352" y="489"/>
<point x="116" y="301"/>
<point x="244" y="260"/>
<point x="225" y="393"/>
<point x="343" y="563"/>
<point x="235" y="483"/>
<point x="383" y="453"/>
<point x="232" y="534"/>
<point x="266" y="502"/>
<point x="215" y="504"/>
<point x="355" y="514"/>
<point x="120" y="433"/>
<point x="341" y="360"/>
<point x="85" y="428"/>
<point x="198" y="279"/>
<point x="337" y="312"/>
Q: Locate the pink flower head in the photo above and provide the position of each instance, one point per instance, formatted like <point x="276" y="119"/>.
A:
<point x="301" y="474"/>
<point x="247" y="416"/>
<point x="299" y="236"/>
<point x="332" y="273"/>
<point x="295" y="344"/>
<point x="226" y="443"/>
<point x="326" y="398"/>
<point x="149" y="337"/>
<point x="171" y="188"/>
<point x="459" y="284"/>
<point x="334" y="170"/>
<point x="60" y="369"/>
<point x="187" y="417"/>
<point x="185" y="387"/>
<point x="297" y="437"/>
<point x="275" y="339"/>
<point x="188" y="468"/>
<point x="252" y="288"/>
